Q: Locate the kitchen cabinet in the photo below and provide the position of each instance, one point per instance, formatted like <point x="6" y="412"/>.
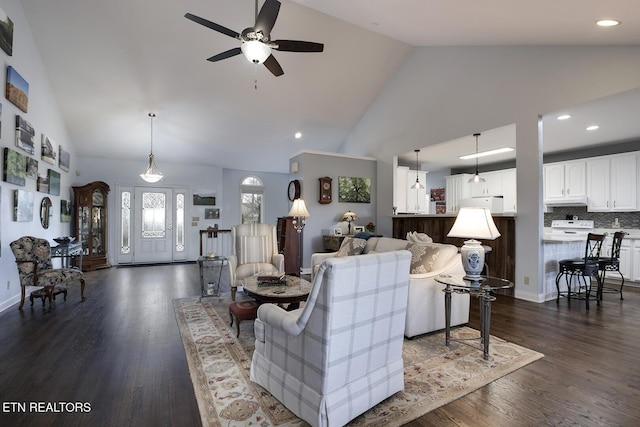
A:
<point x="612" y="183"/>
<point x="417" y="198"/>
<point x="565" y="181"/>
<point x="635" y="261"/>
<point x="410" y="200"/>
<point x="90" y="223"/>
<point x="492" y="186"/>
<point x="457" y="187"/>
<point x="509" y="191"/>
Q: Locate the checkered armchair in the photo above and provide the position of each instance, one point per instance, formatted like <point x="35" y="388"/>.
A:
<point x="254" y="249"/>
<point x="33" y="256"/>
<point x="340" y="354"/>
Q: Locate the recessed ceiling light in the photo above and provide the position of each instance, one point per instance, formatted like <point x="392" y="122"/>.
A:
<point x="607" y="23"/>
<point x="564" y="117"/>
<point x="486" y="153"/>
<point x="298" y="135"/>
<point x="593" y="127"/>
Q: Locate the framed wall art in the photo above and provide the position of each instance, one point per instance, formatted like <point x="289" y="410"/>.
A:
<point x="64" y="159"/>
<point x="32" y="168"/>
<point x="6" y="33"/>
<point x="54" y="182"/>
<point x="15" y="167"/>
<point x="212" y="213"/>
<point x="354" y="190"/>
<point x="48" y="154"/>
<point x="22" y="205"/>
<point x="65" y="210"/>
<point x="17" y="89"/>
<point x="25" y="135"/>
<point x="43" y="184"/>
<point x="204" y="200"/>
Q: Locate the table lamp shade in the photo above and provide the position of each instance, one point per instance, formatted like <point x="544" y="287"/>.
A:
<point x="473" y="223"/>
<point x="350" y="216"/>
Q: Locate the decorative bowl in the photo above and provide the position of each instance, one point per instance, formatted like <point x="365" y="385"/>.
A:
<point x="64" y="240"/>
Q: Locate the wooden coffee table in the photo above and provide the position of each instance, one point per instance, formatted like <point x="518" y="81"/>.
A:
<point x="296" y="289"/>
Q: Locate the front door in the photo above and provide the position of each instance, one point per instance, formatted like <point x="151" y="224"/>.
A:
<point x="153" y="215"/>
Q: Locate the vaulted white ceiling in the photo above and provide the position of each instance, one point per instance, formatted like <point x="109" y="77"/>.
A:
<point x="112" y="62"/>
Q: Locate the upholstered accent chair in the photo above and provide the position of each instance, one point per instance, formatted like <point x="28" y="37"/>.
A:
<point x="33" y="256"/>
<point x="340" y="354"/>
<point x="254" y="249"/>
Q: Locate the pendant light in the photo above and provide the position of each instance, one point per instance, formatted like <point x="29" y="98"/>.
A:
<point x="417" y="185"/>
<point x="152" y="174"/>
<point x="477" y="178"/>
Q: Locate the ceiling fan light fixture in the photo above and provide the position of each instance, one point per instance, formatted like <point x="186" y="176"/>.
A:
<point x="255" y="51"/>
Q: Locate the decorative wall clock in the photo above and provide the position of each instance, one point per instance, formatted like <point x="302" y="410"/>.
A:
<point x="325" y="190"/>
<point x="293" y="192"/>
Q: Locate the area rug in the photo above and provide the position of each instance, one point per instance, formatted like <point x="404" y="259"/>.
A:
<point x="435" y="374"/>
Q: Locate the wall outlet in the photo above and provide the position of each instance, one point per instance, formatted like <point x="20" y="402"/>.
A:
<point x="526" y="280"/>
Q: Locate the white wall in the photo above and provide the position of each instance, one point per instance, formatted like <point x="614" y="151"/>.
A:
<point x="314" y="165"/>
<point x="443" y="93"/>
<point x="224" y="183"/>
<point x="45" y="117"/>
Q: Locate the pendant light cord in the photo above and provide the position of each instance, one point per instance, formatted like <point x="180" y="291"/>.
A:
<point x="152" y="116"/>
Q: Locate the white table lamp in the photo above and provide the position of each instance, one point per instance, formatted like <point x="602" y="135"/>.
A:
<point x="299" y="213"/>
<point x="473" y="223"/>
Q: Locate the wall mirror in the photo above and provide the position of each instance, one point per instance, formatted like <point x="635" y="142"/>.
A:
<point x="45" y="212"/>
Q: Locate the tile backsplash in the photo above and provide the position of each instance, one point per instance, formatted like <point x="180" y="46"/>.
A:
<point x="600" y="219"/>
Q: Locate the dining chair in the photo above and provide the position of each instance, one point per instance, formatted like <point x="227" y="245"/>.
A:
<point x="612" y="264"/>
<point x="583" y="269"/>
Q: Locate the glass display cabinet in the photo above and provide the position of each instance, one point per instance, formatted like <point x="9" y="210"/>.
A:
<point x="90" y="223"/>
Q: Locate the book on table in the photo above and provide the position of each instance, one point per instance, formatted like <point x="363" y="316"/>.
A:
<point x="271" y="279"/>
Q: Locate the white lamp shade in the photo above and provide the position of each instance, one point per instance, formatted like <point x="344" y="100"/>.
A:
<point x="474" y="223"/>
<point x="350" y="216"/>
<point x="299" y="209"/>
<point x="255" y="51"/>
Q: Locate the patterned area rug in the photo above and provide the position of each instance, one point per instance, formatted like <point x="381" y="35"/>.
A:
<point x="435" y="375"/>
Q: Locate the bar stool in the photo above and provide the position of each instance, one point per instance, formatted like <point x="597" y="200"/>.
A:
<point x="612" y="263"/>
<point x="582" y="268"/>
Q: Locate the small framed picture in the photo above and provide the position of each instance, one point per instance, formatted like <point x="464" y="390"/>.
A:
<point x="211" y="213"/>
<point x="358" y="228"/>
<point x="337" y="231"/>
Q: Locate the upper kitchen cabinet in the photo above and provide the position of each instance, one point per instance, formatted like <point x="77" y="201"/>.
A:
<point x="456" y="188"/>
<point x="565" y="182"/>
<point x="407" y="199"/>
<point x="612" y="183"/>
<point x="492" y="185"/>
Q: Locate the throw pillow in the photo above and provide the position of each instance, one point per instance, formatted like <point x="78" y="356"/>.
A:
<point x="423" y="257"/>
<point x="351" y="246"/>
<point x="363" y="235"/>
<point x="415" y="237"/>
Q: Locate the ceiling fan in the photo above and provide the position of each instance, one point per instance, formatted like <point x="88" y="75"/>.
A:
<point x="256" y="41"/>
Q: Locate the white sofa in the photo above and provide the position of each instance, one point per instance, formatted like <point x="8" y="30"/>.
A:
<point x="425" y="305"/>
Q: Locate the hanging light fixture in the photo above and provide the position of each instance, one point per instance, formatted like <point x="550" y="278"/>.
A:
<point x="477" y="178"/>
<point x="152" y="174"/>
<point x="417" y="185"/>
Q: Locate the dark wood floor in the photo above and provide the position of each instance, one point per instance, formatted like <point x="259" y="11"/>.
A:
<point x="120" y="352"/>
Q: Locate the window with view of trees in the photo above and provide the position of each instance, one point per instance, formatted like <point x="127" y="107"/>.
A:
<point x="251" y="198"/>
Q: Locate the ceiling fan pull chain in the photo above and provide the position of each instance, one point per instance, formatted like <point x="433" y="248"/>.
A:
<point x="255" y="77"/>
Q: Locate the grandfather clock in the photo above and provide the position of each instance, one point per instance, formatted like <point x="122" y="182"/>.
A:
<point x="90" y="223"/>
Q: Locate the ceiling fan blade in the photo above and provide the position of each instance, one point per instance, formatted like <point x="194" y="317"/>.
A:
<point x="212" y="25"/>
<point x="272" y="65"/>
<point x="298" y="46"/>
<point x="224" y="55"/>
<point x="267" y="17"/>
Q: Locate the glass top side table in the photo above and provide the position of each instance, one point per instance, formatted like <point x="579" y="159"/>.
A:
<point x="481" y="288"/>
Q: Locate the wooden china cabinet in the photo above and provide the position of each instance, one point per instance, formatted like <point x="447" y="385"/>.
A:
<point x="90" y="223"/>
